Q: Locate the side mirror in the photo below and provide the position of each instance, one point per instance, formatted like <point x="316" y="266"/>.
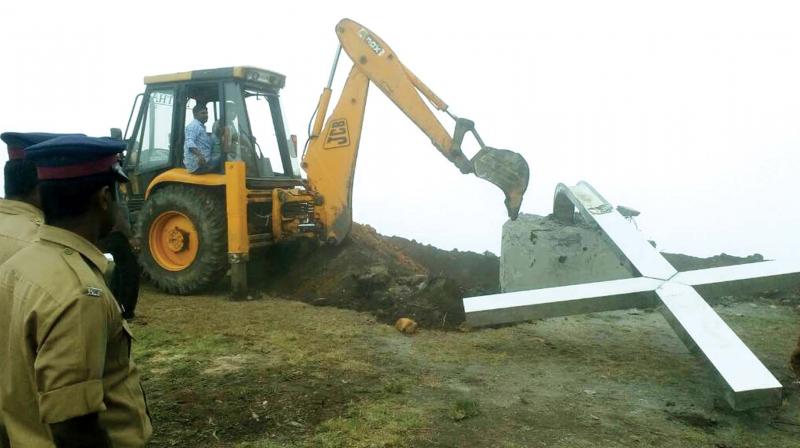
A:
<point x="116" y="133"/>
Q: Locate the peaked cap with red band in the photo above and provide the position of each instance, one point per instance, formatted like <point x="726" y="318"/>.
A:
<point x="72" y="156"/>
<point x="18" y="141"/>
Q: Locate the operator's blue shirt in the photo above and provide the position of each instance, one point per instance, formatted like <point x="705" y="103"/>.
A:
<point x="196" y="137"/>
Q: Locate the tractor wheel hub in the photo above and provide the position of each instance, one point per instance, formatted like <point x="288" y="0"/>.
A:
<point x="177" y="239"/>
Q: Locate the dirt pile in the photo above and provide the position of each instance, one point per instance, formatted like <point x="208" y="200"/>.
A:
<point x="390" y="277"/>
<point x="393" y="277"/>
<point x="683" y="262"/>
<point x="476" y="273"/>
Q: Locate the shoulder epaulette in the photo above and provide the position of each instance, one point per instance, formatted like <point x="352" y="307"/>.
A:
<point x="88" y="279"/>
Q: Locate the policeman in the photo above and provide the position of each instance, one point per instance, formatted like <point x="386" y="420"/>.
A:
<point x="68" y="379"/>
<point x="20" y="218"/>
<point x="20" y="214"/>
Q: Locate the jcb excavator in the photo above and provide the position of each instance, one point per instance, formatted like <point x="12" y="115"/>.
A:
<point x="194" y="227"/>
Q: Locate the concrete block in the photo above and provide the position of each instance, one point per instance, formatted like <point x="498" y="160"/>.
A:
<point x="541" y="252"/>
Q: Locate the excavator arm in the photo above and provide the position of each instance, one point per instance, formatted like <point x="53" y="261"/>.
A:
<point x="332" y="149"/>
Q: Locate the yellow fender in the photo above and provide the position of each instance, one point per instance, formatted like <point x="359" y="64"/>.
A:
<point x="181" y="176"/>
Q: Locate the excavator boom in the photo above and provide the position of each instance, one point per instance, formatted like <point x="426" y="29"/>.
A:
<point x="332" y="151"/>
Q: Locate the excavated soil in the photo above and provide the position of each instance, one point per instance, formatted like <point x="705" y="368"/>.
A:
<point x="393" y="277"/>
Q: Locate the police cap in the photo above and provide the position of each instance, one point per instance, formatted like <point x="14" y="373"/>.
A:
<point x="72" y="156"/>
<point x="18" y="141"/>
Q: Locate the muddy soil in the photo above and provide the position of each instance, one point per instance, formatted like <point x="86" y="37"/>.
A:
<point x="390" y="277"/>
<point x="393" y="277"/>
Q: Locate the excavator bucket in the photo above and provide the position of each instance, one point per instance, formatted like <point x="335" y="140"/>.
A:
<point x="506" y="169"/>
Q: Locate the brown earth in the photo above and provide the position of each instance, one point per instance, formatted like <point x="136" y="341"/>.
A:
<point x="274" y="373"/>
<point x="270" y="372"/>
<point x="393" y="277"/>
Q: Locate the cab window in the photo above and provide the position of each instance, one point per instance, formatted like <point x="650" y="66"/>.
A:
<point x="235" y="135"/>
<point x="152" y="145"/>
<point x="263" y="136"/>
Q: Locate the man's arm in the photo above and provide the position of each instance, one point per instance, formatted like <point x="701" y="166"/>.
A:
<point x="201" y="160"/>
<point x="71" y="344"/>
<point x="78" y="432"/>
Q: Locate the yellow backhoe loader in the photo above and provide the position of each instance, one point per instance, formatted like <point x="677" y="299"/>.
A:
<point x="195" y="227"/>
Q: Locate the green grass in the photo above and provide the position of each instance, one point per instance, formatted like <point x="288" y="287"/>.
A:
<point x="273" y="373"/>
<point x="464" y="409"/>
<point x="371" y="424"/>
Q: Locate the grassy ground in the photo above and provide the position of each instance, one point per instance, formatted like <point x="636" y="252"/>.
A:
<point x="275" y="373"/>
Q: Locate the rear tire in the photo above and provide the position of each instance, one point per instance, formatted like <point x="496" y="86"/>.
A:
<point x="184" y="238"/>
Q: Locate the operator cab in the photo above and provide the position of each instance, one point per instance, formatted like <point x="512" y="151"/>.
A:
<point x="245" y="122"/>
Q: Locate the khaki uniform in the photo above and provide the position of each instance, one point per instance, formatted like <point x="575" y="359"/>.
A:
<point x="19" y="226"/>
<point x="64" y="346"/>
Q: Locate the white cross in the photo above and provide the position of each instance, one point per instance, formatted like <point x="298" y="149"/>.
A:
<point x="748" y="383"/>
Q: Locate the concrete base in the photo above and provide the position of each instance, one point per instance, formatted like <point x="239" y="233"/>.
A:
<point x="541" y="252"/>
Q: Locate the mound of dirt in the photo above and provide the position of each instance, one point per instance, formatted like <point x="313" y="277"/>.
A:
<point x="390" y="277"/>
<point x="683" y="262"/>
<point x="477" y="273"/>
<point x="393" y="277"/>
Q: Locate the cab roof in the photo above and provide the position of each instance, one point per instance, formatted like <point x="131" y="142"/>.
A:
<point x="251" y="74"/>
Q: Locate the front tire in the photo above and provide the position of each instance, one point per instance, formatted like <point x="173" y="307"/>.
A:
<point x="184" y="235"/>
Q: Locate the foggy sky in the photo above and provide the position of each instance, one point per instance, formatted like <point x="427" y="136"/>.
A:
<point x="686" y="111"/>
